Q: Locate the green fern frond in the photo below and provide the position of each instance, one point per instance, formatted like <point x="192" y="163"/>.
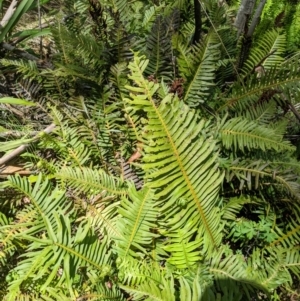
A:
<point x="240" y="134"/>
<point x="81" y="49"/>
<point x="268" y="53"/>
<point x="119" y="7"/>
<point x="292" y="260"/>
<point x="275" y="81"/>
<point x="7" y="234"/>
<point x="86" y="180"/>
<point x="185" y="64"/>
<point x="289" y="235"/>
<point x="27" y="68"/>
<point x="253" y="175"/>
<point x="240" y="278"/>
<point x="270" y="273"/>
<point x="149" y="17"/>
<point x="202" y="60"/>
<point x="197" y="286"/>
<point x="184" y="248"/>
<point x="39" y="195"/>
<point x="261" y="113"/>
<point x="171" y="146"/>
<point x="57" y="247"/>
<point x="139" y="217"/>
<point x="153" y="290"/>
<point x="159" y="46"/>
<point x="233" y="207"/>
<point x="105" y="217"/>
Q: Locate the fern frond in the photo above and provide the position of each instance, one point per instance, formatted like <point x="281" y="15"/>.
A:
<point x="233" y="207"/>
<point x="271" y="272"/>
<point x="87" y="179"/>
<point x="121" y="8"/>
<point x="27" y="68"/>
<point x="149" y="16"/>
<point x="138" y="218"/>
<point x="202" y="60"/>
<point x="289" y="234"/>
<point x="159" y="46"/>
<point x="292" y="260"/>
<point x="104" y="218"/>
<point x="197" y="286"/>
<point x="268" y="53"/>
<point x="154" y="290"/>
<point x="285" y="77"/>
<point x="261" y="113"/>
<point x="253" y="175"/>
<point x="171" y="146"/>
<point x="185" y="64"/>
<point x="184" y="248"/>
<point x="240" y="134"/>
<point x="57" y="247"/>
<point x="240" y="278"/>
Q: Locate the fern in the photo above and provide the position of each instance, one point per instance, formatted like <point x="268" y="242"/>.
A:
<point x="159" y="48"/>
<point x="240" y="133"/>
<point x="268" y="54"/>
<point x="206" y="208"/>
<point x="136" y="239"/>
<point x="42" y="256"/>
<point x="188" y="171"/>
<point x="199" y="80"/>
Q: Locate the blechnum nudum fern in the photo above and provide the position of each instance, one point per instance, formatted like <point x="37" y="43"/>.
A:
<point x="217" y="216"/>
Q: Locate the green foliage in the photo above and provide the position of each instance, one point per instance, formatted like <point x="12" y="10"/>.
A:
<point x="169" y="174"/>
<point x="239" y="133"/>
<point x="198" y="69"/>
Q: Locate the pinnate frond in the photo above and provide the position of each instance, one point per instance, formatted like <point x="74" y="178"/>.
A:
<point x="138" y="218"/>
<point x="201" y="64"/>
<point x="240" y="134"/>
<point x="179" y="161"/>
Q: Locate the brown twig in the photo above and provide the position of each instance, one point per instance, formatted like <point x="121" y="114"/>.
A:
<point x="21" y="53"/>
<point x="294" y="110"/>
<point x="16" y="152"/>
<point x="259" y="64"/>
<point x="9" y="13"/>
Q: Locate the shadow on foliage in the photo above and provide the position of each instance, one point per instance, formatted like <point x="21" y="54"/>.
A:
<point x="231" y="290"/>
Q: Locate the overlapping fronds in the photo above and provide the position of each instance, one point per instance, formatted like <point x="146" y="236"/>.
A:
<point x="52" y="244"/>
<point x="256" y="90"/>
<point x="259" y="174"/>
<point x="271" y="272"/>
<point x="207" y="206"/>
<point x="149" y="16"/>
<point x="262" y="113"/>
<point x="41" y="196"/>
<point x="267" y="54"/>
<point x="240" y="279"/>
<point x="292" y="260"/>
<point x="184" y="248"/>
<point x="197" y="288"/>
<point x="80" y="49"/>
<point x="159" y="289"/>
<point x="179" y="161"/>
<point x="120" y="8"/>
<point x="289" y="234"/>
<point x="233" y="207"/>
<point x="27" y="68"/>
